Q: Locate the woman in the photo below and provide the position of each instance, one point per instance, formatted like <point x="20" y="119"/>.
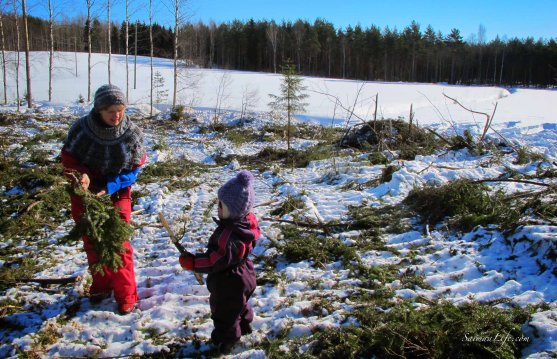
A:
<point x="106" y="149"/>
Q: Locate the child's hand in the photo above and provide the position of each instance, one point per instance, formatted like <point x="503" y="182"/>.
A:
<point x="187" y="261"/>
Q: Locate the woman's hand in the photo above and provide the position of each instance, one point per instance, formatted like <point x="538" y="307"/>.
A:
<point x="85" y="181"/>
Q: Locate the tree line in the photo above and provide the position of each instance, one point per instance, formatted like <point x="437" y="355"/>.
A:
<point x="372" y="53"/>
<point x="317" y="49"/>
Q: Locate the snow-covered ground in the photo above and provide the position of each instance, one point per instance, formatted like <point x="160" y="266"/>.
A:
<point x="479" y="266"/>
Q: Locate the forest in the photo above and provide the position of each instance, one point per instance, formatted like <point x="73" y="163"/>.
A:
<point x="319" y="49"/>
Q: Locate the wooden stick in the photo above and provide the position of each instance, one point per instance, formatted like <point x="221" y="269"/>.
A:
<point x="514" y="180"/>
<point x="266" y="203"/>
<point x="375" y="112"/>
<point x="177" y="243"/>
<point x="33" y="205"/>
<point x="322" y="225"/>
<point x="410" y="118"/>
<point x="302" y="224"/>
<point x="138" y="211"/>
<point x="47" y="281"/>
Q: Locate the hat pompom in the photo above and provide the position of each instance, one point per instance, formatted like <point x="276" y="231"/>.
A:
<point x="245" y="177"/>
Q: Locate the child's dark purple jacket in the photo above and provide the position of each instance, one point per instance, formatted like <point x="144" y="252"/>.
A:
<point x="229" y="245"/>
<point x="231" y="280"/>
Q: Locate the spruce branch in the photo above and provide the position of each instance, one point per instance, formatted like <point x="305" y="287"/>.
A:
<point x="102" y="224"/>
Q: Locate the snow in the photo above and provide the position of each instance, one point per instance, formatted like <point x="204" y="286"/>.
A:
<point x="482" y="265"/>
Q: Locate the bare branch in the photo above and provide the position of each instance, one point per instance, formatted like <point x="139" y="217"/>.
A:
<point x="339" y="103"/>
<point x="47" y="281"/>
<point x="487" y="120"/>
<point x="516" y="181"/>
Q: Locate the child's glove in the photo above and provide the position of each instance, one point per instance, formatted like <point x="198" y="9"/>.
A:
<point x="186" y="261"/>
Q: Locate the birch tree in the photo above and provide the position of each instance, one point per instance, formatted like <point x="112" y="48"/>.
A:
<point x="127" y="44"/>
<point x="135" y="58"/>
<point x="109" y="41"/>
<point x="176" y="27"/>
<point x="51" y="49"/>
<point x="75" y="54"/>
<point x="3" y="60"/>
<point x="89" y="50"/>
<point x="17" y="62"/>
<point x="212" y="41"/>
<point x="272" y="35"/>
<point x="223" y="94"/>
<point x="27" y="59"/>
<point x="250" y="97"/>
<point x="299" y="31"/>
<point x="178" y="22"/>
<point x="481" y="43"/>
<point x="151" y="48"/>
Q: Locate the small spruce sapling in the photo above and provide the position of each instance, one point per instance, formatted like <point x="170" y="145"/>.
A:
<point x="161" y="93"/>
<point x="292" y="96"/>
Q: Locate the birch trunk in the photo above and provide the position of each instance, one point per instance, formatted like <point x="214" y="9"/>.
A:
<point x="176" y="23"/>
<point x="135" y="59"/>
<point x="3" y="61"/>
<point x="89" y="49"/>
<point x="151" y="46"/>
<point x="127" y="44"/>
<point x="51" y="54"/>
<point x="27" y="59"/>
<point x="18" y="99"/>
<point x="109" y="42"/>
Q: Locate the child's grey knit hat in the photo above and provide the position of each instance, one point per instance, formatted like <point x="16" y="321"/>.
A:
<point x="108" y="95"/>
<point x="238" y="194"/>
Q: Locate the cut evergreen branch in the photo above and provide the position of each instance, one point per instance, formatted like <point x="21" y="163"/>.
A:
<point x="177" y="172"/>
<point x="303" y="245"/>
<point x="37" y="203"/>
<point x="294" y="158"/>
<point x="12" y="272"/>
<point x="107" y="231"/>
<point x="290" y="204"/>
<point x="525" y="155"/>
<point x="465" y="203"/>
<point x="440" y="331"/>
<point x="374" y="222"/>
<point x="393" y="135"/>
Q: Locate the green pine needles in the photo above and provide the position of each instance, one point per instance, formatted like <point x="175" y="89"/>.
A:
<point x="292" y="96"/>
<point x="106" y="230"/>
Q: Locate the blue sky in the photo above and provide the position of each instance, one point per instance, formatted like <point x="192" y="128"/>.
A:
<point x="510" y="18"/>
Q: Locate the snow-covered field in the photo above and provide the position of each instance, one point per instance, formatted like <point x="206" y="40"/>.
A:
<point x="329" y="99"/>
<point x="482" y="265"/>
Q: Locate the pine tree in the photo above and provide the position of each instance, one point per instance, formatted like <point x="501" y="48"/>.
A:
<point x="291" y="95"/>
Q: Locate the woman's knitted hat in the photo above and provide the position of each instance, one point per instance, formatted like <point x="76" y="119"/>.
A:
<point x="108" y="95"/>
<point x="238" y="194"/>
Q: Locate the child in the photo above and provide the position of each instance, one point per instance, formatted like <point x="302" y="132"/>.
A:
<point x="231" y="280"/>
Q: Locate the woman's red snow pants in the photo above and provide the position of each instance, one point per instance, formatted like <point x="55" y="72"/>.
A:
<point x="122" y="282"/>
